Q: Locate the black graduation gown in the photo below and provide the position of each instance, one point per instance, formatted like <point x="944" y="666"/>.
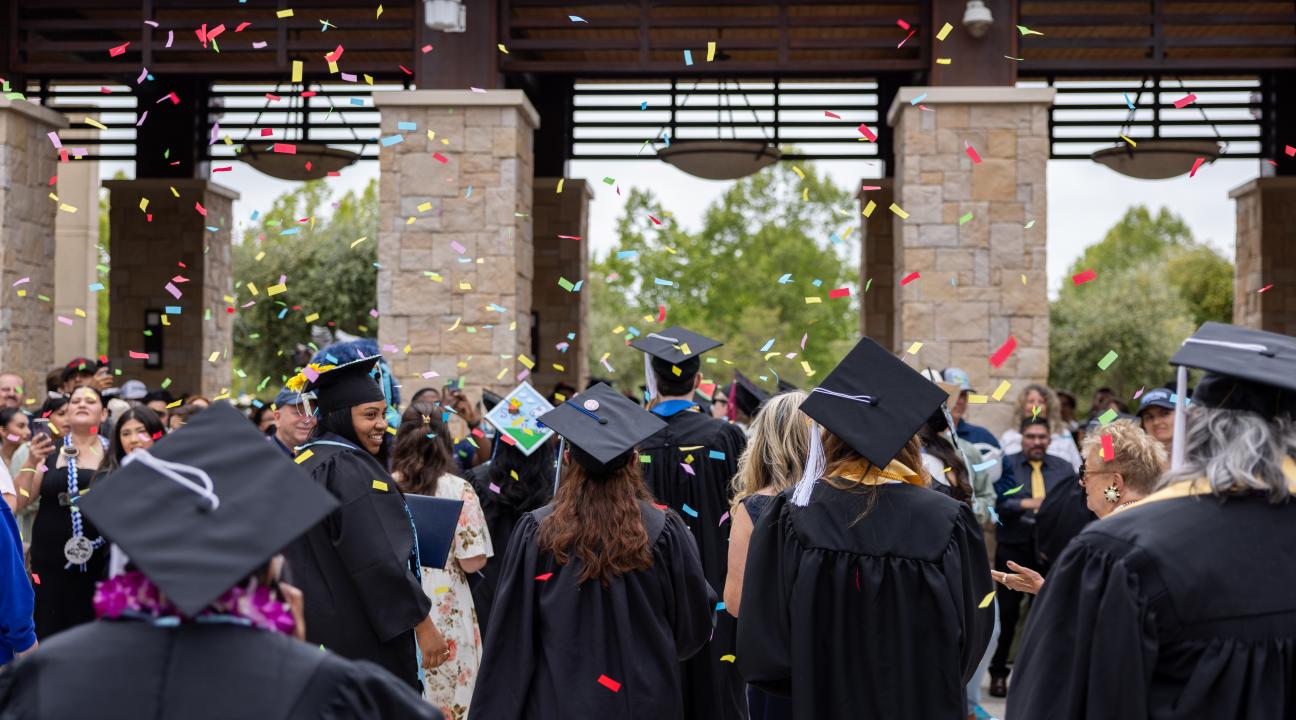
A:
<point x="1062" y="515"/>
<point x="64" y="595"/>
<point x="502" y="516"/>
<point x="559" y="650"/>
<point x="872" y="617"/>
<point x="1178" y="607"/>
<point x="362" y="596"/>
<point x="713" y="689"/>
<point x="129" y="670"/>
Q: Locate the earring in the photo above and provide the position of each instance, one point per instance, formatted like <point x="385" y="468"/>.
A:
<point x="1112" y="494"/>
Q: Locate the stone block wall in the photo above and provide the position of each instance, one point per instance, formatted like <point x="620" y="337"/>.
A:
<point x="560" y="312"/>
<point x="27" y="219"/>
<point x="971" y="296"/>
<point x="148" y="255"/>
<point x="877" y="264"/>
<point x="454" y="244"/>
<point x="1266" y="255"/>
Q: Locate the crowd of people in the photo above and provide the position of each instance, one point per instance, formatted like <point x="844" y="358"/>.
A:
<point x="861" y="548"/>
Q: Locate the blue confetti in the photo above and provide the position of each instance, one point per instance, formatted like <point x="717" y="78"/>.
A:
<point x="768" y="344"/>
<point x="688" y="57"/>
<point x="625" y="254"/>
<point x="643" y="105"/>
<point x="666" y="137"/>
<point x="358" y="102"/>
<point x="469" y="192"/>
<point x="836" y="240"/>
<point x="1128" y="102"/>
<point x="918" y="99"/>
<point x="406" y="125"/>
<point x="572" y="336"/>
<point x="633" y="331"/>
<point x="689" y="510"/>
<point x="282" y="313"/>
<point x="716" y="455"/>
<point x="984" y="466"/>
<point x="577" y="18"/>
<point x="256" y="214"/>
<point x="290" y="231"/>
<point x="173" y="310"/>
<point x="785" y="279"/>
<point x="392" y="140"/>
<point x="660" y="281"/>
<point x="96" y="287"/>
<point x="817" y="283"/>
<point x="577" y="287"/>
<point x="720" y="606"/>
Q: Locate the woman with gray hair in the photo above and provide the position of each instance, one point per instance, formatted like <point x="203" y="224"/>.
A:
<point x="1182" y="605"/>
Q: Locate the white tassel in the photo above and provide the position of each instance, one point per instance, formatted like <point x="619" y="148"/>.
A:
<point x="650" y="380"/>
<point x="814" y="468"/>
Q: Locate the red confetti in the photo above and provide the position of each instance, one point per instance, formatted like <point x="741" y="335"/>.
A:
<point x="201" y="210"/>
<point x="119" y="50"/>
<point x="407" y="70"/>
<point x="902" y="42"/>
<point x="972" y="153"/>
<point x="242" y="26"/>
<point x="832" y="115"/>
<point x="267" y="132"/>
<point x="1004" y="351"/>
<point x="439" y="157"/>
<point x="1108" y="450"/>
<point x="1081" y="278"/>
<point x="569" y="237"/>
<point x="1196" y="164"/>
<point x="227" y="168"/>
<point x="903" y="25"/>
<point x="544" y="577"/>
<point x="53" y="180"/>
<point x="910" y="278"/>
<point x="661" y="313"/>
<point x="1185" y="101"/>
<point x="864" y="130"/>
<point x="335" y="55"/>
<point x="655" y="220"/>
<point x="138" y="355"/>
<point x="175" y="99"/>
<point x="1266" y="287"/>
<point x="839" y="292"/>
<point x="1291" y="151"/>
<point x="507" y="439"/>
<point x="36" y="578"/>
<point x="609" y="683"/>
<point x="211" y="35"/>
<point x="285" y="148"/>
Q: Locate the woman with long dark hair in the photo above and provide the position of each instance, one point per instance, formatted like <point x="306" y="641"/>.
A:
<point x="423" y="464"/>
<point x="865" y="590"/>
<point x="509" y="486"/>
<point x="601" y="593"/>
<point x="137" y="428"/>
<point x="358" y="568"/>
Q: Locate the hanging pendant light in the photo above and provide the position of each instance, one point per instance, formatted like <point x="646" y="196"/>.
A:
<point x="1158" y="158"/>
<point x="720" y="159"/>
<point x="308" y="160"/>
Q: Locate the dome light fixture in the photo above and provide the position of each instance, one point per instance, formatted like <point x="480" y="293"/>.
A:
<point x="977" y="18"/>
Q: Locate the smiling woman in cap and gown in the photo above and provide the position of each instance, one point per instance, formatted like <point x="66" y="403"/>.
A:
<point x="702" y="493"/>
<point x="866" y="592"/>
<point x="358" y="567"/>
<point x="200" y="627"/>
<point x="601" y="593"/>
<point x="1182" y="605"/>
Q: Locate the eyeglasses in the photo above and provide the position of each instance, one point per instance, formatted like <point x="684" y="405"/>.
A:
<point x="1084" y="473"/>
<point x="720" y="401"/>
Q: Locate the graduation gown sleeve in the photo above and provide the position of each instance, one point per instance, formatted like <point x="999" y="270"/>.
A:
<point x="692" y="598"/>
<point x="373" y="538"/>
<point x="764" y="654"/>
<point x="364" y="690"/>
<point x="1089" y="647"/>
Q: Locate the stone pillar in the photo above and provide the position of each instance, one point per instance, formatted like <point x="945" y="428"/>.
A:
<point x="27" y="219"/>
<point x="1266" y="255"/>
<point x="76" y="237"/>
<point x="972" y="296"/>
<point x="559" y="311"/>
<point x="153" y="247"/>
<point x="454" y="243"/>
<point x="877" y="264"/>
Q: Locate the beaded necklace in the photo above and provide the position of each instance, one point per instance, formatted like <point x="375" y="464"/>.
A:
<point x="78" y="549"/>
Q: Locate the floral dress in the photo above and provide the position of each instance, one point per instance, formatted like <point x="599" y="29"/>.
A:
<point x="450" y="686"/>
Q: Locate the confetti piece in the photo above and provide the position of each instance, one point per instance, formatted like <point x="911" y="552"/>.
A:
<point x="276" y="289"/>
<point x="918" y="99"/>
<point x="1139" y="394"/>
<point x="1196" y="164"/>
<point x="608" y="682"/>
<point x="119" y="50"/>
<point x="1001" y="355"/>
<point x="1108" y="416"/>
<point x="689" y="510"/>
<point x="380" y="485"/>
<point x="910" y="278"/>
<point x="866" y="132"/>
<point x="985" y="601"/>
<point x="1265" y="288"/>
<point x="1185" y="101"/>
<point x="1027" y="31"/>
<point x="972" y="153"/>
<point x="715" y="455"/>
<point x="1001" y="390"/>
<point x="526" y="362"/>
<point x="688" y="57"/>
<point x="544" y="577"/>
<point x="944" y="32"/>
<point x="914" y="348"/>
<point x="1131" y="142"/>
<point x="306" y="455"/>
<point x="899" y="211"/>
<point x="943" y="61"/>
<point x="965" y="218"/>
<point x="1015" y="490"/>
<point x="577" y="18"/>
<point x="838" y="293"/>
<point x="175" y="292"/>
<point x="502" y="48"/>
<point x="1081" y="278"/>
<point x="1107" y="360"/>
<point x="711" y="47"/>
<point x="977" y="399"/>
<point x="902" y="42"/>
<point x="296" y="71"/>
<point x="1108" y="450"/>
<point x="284" y="14"/>
<point x="982" y="467"/>
<point x="727" y="658"/>
<point x="688" y="469"/>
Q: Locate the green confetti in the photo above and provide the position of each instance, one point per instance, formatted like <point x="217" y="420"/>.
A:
<point x="1108" y="416"/>
<point x="868" y="284"/>
<point x="1015" y="490"/>
<point x="609" y="181"/>
<point x="1027" y="31"/>
<point x="645" y="458"/>
<point x="565" y="284"/>
<point x="966" y="217"/>
<point x="1107" y="360"/>
<point x="166" y="383"/>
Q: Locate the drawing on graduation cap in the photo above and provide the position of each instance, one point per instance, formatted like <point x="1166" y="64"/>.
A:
<point x="516" y="416"/>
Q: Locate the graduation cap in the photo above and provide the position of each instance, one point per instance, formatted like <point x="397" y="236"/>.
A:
<point x="1246" y="369"/>
<point x="872" y="401"/>
<point x="786" y="387"/>
<point x="747" y="396"/>
<point x="490" y="400"/>
<point x="346" y="386"/>
<point x="672" y="348"/>
<point x="603" y="427"/>
<point x="205" y="507"/>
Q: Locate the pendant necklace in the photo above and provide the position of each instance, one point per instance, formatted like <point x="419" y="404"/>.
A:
<point x="79" y="548"/>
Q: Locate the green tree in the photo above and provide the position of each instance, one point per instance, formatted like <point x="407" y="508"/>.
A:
<point x="1155" y="284"/>
<point x="767" y="244"/>
<point x="324" y="268"/>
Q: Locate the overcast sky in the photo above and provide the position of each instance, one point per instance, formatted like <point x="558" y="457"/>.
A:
<point x="1085" y="199"/>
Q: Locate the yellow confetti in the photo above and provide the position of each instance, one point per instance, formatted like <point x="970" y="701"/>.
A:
<point x="276" y="289"/>
<point x="800" y="173"/>
<point x="456" y="324"/>
<point x="502" y="48"/>
<point x="1131" y="142"/>
<point x="1001" y="390"/>
<point x="977" y="399"/>
<point x="560" y="184"/>
<point x="306" y="455"/>
<point x="425" y="207"/>
<point x="95" y="123"/>
<point x="440" y="590"/>
<point x="144" y="204"/>
<point x="464" y="285"/>
<point x="868" y="209"/>
<point x="513" y="474"/>
<point x="79" y="312"/>
<point x="379" y="13"/>
<point x="212" y="358"/>
<point x="727" y="658"/>
<point x="711" y="50"/>
<point x="899" y="211"/>
<point x="913" y="349"/>
<point x="312" y="317"/>
<point x="559" y="368"/>
<point x="284" y="14"/>
<point x="166" y="321"/>
<point x="526" y="361"/>
<point x="380" y="485"/>
<point x="66" y="208"/>
<point x="985" y="601"/>
<point x="1023" y="278"/>
<point x="297" y="70"/>
<point x="944" y="32"/>
<point x="174" y="192"/>
<point x="260" y="256"/>
<point x="357" y="242"/>
<point x="806" y="366"/>
<point x="813" y="300"/>
<point x="333" y="67"/>
<point x="942" y="61"/>
<point x="675" y="369"/>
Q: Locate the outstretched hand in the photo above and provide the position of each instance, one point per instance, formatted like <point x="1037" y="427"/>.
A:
<point x="1022" y="579"/>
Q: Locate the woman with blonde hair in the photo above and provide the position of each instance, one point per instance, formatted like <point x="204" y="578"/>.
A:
<point x="1038" y="400"/>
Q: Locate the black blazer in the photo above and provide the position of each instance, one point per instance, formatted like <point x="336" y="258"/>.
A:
<point x="1018" y="525"/>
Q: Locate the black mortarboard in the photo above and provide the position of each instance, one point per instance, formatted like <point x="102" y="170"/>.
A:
<point x="675" y="347"/>
<point x="748" y="397"/>
<point x="873" y="402"/>
<point x="490" y="400"/>
<point x="1247" y="369"/>
<point x="346" y="386"/>
<point x="206" y="506"/>
<point x="603" y="427"/>
<point x="785" y="387"/>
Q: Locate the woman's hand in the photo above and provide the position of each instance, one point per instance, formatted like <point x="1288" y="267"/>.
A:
<point x="38" y="449"/>
<point x="1022" y="579"/>
<point x="297" y="604"/>
<point x="432" y="644"/>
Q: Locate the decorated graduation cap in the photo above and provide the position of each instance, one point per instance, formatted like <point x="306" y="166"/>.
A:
<point x="1246" y="369"/>
<point x="205" y="507"/>
<point x="345" y="386"/>
<point x="670" y="350"/>
<point x="873" y="402"/>
<point x="747" y="395"/>
<point x="603" y="427"/>
<point x="517" y="416"/>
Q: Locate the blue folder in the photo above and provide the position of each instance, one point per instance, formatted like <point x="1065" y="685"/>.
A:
<point x="435" y="521"/>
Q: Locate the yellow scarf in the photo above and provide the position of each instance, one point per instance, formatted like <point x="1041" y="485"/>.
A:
<point x="895" y="470"/>
<point x="1199" y="486"/>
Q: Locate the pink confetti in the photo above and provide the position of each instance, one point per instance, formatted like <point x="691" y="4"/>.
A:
<point x="832" y="115"/>
<point x="687" y="468"/>
<point x="902" y="42"/>
<point x="910" y="278"/>
<point x="170" y="37"/>
<point x="54" y="138"/>
<point x="1139" y="394"/>
<point x="972" y="153"/>
<point x="495" y="488"/>
<point x="1001" y="355"/>
<point x="373" y="313"/>
<point x="1196" y="164"/>
<point x="138" y="355"/>
<point x="143" y="117"/>
<point x="65" y="320"/>
<point x="143" y="74"/>
<point x="723" y="518"/>
<point x="311" y="373"/>
<point x="21" y="281"/>
<point x="1184" y="102"/>
<point x="866" y="132"/>
<point x="175" y="291"/>
<point x="119" y="50"/>
<point x="803" y="340"/>
<point x="457" y="247"/>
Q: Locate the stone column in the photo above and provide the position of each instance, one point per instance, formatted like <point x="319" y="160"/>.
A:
<point x="877" y="264"/>
<point x="454" y="243"/>
<point x="1266" y="255"/>
<point x="172" y="242"/>
<point x="76" y="235"/>
<point x="28" y="160"/>
<point x="982" y="278"/>
<point x="560" y="263"/>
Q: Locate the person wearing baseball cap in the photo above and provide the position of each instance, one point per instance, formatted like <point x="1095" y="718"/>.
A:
<point x="1157" y="414"/>
<point x="967" y="431"/>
